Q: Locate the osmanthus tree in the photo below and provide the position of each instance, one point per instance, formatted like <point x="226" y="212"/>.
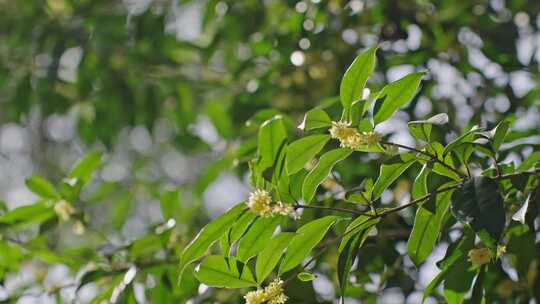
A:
<point x="313" y="212"/>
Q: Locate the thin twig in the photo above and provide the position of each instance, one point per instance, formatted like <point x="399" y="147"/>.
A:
<point x="300" y="206"/>
<point x="433" y="157"/>
<point x="370" y="216"/>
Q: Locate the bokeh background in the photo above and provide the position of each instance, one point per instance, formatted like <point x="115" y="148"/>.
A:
<point x="172" y="92"/>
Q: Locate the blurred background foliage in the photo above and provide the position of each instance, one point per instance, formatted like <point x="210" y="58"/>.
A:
<point x="172" y="93"/>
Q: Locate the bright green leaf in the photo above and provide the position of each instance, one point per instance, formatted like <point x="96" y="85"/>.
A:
<point x="304" y="150"/>
<point x="356" y="76"/>
<point x="390" y="171"/>
<point x="224" y="272"/>
<point x="427" y="225"/>
<point x="315" y="119"/>
<point x="208" y="235"/>
<point x="356" y="234"/>
<point x="306" y="276"/>
<point x="396" y="95"/>
<point x="272" y="135"/>
<point x="321" y="171"/>
<point x="42" y="187"/>
<point x="256" y="238"/>
<point x="84" y="169"/>
<point x="308" y="236"/>
<point x="270" y="256"/>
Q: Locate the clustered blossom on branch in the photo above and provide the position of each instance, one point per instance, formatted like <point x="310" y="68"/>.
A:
<point x="260" y="202"/>
<point x="272" y="294"/>
<point x="352" y="138"/>
<point x="480" y="256"/>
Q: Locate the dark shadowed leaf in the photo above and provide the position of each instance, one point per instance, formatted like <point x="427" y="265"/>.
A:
<point x="479" y="204"/>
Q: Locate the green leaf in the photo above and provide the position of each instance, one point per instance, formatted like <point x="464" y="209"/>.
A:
<point x="257" y="237"/>
<point x="436" y="149"/>
<point x="26" y="215"/>
<point x="306" y="276"/>
<point x="356" y="76"/>
<point x="479" y="204"/>
<point x="419" y="188"/>
<point x="498" y="134"/>
<point x="301" y="151"/>
<point x="521" y="249"/>
<point x="308" y="236"/>
<point x="321" y="171"/>
<point x="360" y="224"/>
<point x="397" y="94"/>
<point x="350" y="246"/>
<point x="421" y="129"/>
<point x="477" y="295"/>
<point x="458" y="280"/>
<point x="358" y="109"/>
<point x="272" y="135"/>
<point x="465" y="137"/>
<point x="84" y="169"/>
<point x="42" y="187"/>
<point x="236" y="231"/>
<point x="455" y="255"/>
<point x="208" y="235"/>
<point x="270" y="256"/>
<point x="170" y="202"/>
<point x="315" y="119"/>
<point x="390" y="171"/>
<point x="224" y="272"/>
<point x="427" y="225"/>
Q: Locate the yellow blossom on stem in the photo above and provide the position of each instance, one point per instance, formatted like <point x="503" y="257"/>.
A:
<point x="479" y="256"/>
<point x="272" y="294"/>
<point x="350" y="138"/>
<point x="64" y="210"/>
<point x="259" y="203"/>
<point x="501" y="250"/>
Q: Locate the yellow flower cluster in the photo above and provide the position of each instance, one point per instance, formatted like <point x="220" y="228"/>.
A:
<point x="260" y="203"/>
<point x="272" y="294"/>
<point x="351" y="138"/>
<point x="479" y="256"/>
<point x="64" y="210"/>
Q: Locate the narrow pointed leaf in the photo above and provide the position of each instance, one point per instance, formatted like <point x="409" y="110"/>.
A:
<point x="390" y="171"/>
<point x="208" y="235"/>
<point x="356" y="76"/>
<point x="396" y="95"/>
